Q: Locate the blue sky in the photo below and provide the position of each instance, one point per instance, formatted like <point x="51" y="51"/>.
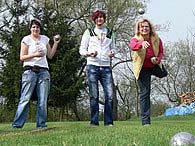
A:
<point x="179" y="13"/>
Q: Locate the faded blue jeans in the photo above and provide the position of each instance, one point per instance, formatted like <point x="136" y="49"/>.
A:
<point x="96" y="74"/>
<point x="30" y="80"/>
<point x="144" y="83"/>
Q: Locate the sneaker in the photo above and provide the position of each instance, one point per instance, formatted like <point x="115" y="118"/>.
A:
<point x="16" y="127"/>
<point x="93" y="125"/>
<point x="42" y="127"/>
<point x="146" y="125"/>
<point x="110" y="125"/>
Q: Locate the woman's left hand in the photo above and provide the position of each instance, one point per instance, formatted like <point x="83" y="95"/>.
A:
<point x="154" y="60"/>
<point x="57" y="38"/>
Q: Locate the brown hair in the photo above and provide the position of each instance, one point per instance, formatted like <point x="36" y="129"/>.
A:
<point x="35" y="21"/>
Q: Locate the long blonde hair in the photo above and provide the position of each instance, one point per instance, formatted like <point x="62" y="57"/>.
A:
<point x="138" y="24"/>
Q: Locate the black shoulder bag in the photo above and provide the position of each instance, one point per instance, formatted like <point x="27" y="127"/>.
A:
<point x="159" y="70"/>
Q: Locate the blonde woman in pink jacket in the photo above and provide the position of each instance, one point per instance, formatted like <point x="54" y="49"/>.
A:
<point x="147" y="50"/>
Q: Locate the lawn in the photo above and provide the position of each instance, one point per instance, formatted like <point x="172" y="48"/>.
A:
<point x="123" y="133"/>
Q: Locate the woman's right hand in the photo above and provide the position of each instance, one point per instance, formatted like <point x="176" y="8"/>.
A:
<point x="92" y="53"/>
<point x="145" y="44"/>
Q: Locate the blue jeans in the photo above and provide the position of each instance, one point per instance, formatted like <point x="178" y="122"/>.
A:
<point x="96" y="74"/>
<point x="144" y="83"/>
<point x="30" y="80"/>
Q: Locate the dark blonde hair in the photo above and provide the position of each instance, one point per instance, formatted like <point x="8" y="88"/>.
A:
<point x="137" y="27"/>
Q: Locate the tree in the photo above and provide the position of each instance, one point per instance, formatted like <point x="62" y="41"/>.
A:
<point x="10" y="36"/>
<point x="65" y="66"/>
<point x="180" y="64"/>
<point x="121" y="16"/>
<point x="70" y="18"/>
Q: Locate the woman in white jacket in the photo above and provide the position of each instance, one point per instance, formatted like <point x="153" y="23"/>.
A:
<point x="98" y="45"/>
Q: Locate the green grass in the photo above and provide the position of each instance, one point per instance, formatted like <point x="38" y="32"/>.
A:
<point x="123" y="133"/>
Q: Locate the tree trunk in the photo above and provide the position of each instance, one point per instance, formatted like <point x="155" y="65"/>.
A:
<point x="74" y="108"/>
<point x="115" y="104"/>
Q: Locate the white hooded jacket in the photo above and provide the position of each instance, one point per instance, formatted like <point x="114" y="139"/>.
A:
<point x="99" y="43"/>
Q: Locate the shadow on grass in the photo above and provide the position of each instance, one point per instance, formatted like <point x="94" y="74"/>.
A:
<point x="29" y="132"/>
